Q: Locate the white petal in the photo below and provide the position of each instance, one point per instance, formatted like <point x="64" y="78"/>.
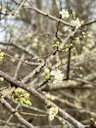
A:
<point x="51" y="117"/>
<point x="53" y="73"/>
<point x="55" y="82"/>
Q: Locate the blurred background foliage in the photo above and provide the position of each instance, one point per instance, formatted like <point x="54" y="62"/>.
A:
<point x="37" y="33"/>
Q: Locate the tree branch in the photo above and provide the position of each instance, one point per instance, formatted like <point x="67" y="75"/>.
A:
<point x="42" y="98"/>
<point x="15" y="113"/>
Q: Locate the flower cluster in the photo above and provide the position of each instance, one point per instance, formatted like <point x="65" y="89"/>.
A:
<point x="56" y="45"/>
<point x="53" y="111"/>
<point x="77" y="40"/>
<point x="64" y="13"/>
<point x="47" y="73"/>
<point x="57" y="76"/>
<point x="77" y="23"/>
<point x="21" y="96"/>
<point x="87" y="34"/>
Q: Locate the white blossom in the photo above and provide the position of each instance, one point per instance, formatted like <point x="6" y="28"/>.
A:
<point x="1" y="79"/>
<point x="53" y="111"/>
<point x="65" y="28"/>
<point x="46" y="70"/>
<point x="57" y="75"/>
<point x="64" y="13"/>
<point x="47" y="73"/>
<point x="76" y="23"/>
<point x="49" y="96"/>
<point x="89" y="34"/>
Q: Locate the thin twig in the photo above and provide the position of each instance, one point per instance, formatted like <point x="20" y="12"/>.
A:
<point x="68" y="65"/>
<point x="15" y="113"/>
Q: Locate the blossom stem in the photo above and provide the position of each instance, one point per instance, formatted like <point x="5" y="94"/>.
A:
<point x="68" y="65"/>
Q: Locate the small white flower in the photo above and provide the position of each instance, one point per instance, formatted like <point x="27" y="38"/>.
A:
<point x="49" y="96"/>
<point x="1" y="79"/>
<point x="89" y="34"/>
<point x="65" y="28"/>
<point x="53" y="111"/>
<point x="76" y="23"/>
<point x="35" y="40"/>
<point x="53" y="72"/>
<point x="58" y="76"/>
<point x="46" y="70"/>
<point x="47" y="73"/>
<point x="64" y="13"/>
<point x="51" y="117"/>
